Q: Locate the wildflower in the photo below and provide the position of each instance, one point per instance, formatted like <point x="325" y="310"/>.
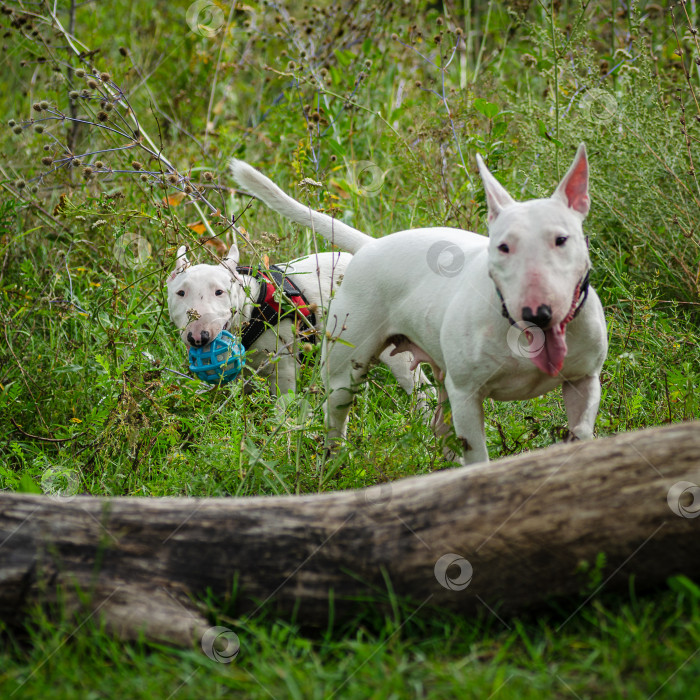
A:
<point x="74" y="94"/>
<point x="11" y="123"/>
<point x="87" y="172"/>
<point x="77" y="162"/>
<point x="208" y="176"/>
<point x="99" y="164"/>
<point x="136" y="165"/>
<point x="46" y="160"/>
<point x="44" y="104"/>
<point x="17" y="129"/>
<point x="36" y="107"/>
<point x="394" y="37"/>
<point x="38" y="128"/>
<point x="92" y="84"/>
<point x="123" y="51"/>
<point x="172" y="178"/>
<point x="143" y="177"/>
<point x="102" y="116"/>
<point x="20" y="184"/>
<point x="80" y="73"/>
<point x="98" y="223"/>
<point x="105" y="77"/>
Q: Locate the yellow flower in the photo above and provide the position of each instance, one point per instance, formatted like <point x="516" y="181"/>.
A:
<point x="75" y="420"/>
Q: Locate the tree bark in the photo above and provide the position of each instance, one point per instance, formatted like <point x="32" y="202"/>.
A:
<point x="525" y="526"/>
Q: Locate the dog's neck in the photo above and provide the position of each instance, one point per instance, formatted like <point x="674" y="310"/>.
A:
<point x="251" y="287"/>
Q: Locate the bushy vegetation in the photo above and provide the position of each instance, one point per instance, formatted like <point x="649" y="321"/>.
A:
<point x="120" y="120"/>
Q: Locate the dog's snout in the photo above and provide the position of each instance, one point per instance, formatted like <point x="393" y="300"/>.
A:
<point x="541" y="319"/>
<point x="195" y="342"/>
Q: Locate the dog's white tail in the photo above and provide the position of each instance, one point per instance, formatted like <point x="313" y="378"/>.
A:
<point x="338" y="233"/>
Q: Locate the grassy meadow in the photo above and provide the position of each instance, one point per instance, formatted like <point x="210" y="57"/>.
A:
<point x="118" y="122"/>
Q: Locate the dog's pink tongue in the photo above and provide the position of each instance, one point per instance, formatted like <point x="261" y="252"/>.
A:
<point x="550" y="359"/>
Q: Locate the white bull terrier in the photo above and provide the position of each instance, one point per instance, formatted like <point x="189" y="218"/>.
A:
<point x="506" y="317"/>
<point x="205" y="299"/>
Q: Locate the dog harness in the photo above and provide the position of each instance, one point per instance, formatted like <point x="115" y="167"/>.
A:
<point x="582" y="296"/>
<point x="268" y="311"/>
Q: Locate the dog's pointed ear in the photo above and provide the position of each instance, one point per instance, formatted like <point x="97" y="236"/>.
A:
<point x="497" y="198"/>
<point x="230" y="262"/>
<point x="573" y="189"/>
<point x="181" y="262"/>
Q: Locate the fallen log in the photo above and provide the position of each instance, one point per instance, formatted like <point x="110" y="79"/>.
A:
<point x="504" y="535"/>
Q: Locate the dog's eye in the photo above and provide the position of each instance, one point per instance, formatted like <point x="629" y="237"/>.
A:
<point x="560" y="240"/>
<point x="504" y="248"/>
<point x="181" y="292"/>
<point x="219" y="292"/>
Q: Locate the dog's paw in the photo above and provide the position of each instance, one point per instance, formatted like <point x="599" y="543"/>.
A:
<point x="569" y="436"/>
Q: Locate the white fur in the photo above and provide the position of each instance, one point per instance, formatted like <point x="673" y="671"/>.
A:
<point x="208" y="298"/>
<point x="397" y="294"/>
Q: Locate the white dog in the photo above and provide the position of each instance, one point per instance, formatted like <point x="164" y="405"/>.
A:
<point x="205" y="299"/>
<point x="506" y="317"/>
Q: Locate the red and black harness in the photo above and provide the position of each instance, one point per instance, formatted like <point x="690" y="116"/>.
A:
<point x="268" y="311"/>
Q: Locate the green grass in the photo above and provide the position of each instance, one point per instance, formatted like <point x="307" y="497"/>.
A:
<point x="623" y="647"/>
<point x="88" y="356"/>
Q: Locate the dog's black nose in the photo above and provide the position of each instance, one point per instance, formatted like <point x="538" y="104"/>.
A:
<point x="541" y="319"/>
<point x="198" y="342"/>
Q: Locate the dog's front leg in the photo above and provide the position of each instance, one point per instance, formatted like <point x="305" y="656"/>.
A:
<point x="468" y="420"/>
<point x="282" y="381"/>
<point x="581" y="399"/>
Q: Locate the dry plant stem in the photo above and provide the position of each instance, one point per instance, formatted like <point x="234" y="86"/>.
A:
<point x="525" y="524"/>
<point x="143" y="141"/>
<point x="684" y="126"/>
<point x="216" y="75"/>
<point x="154" y="149"/>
